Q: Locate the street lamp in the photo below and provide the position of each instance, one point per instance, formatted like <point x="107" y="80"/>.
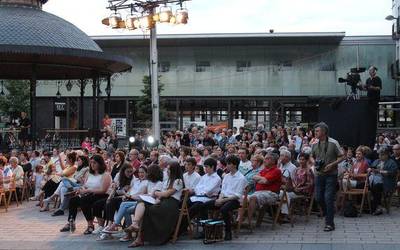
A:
<point x="144" y="15"/>
<point x="391" y="18"/>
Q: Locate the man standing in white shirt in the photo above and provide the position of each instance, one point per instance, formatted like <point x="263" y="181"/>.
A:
<point x="190" y="177"/>
<point x="233" y="186"/>
<point x="245" y="164"/>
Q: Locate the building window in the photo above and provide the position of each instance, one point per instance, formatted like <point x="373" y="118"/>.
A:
<point x="242" y="66"/>
<point x="117" y="108"/>
<point x="164" y="66"/>
<point x="202" y="66"/>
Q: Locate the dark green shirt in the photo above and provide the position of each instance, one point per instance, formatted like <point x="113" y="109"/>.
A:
<point x="328" y="151"/>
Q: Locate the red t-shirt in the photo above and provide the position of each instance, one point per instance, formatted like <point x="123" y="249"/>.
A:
<point x="274" y="177"/>
<point x="136" y="164"/>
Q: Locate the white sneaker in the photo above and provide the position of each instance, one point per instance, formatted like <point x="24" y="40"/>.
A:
<point x="98" y="230"/>
<point x="104" y="237"/>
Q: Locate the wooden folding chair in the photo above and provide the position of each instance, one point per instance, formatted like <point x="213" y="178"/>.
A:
<point x="183" y="212"/>
<point x="3" y="197"/>
<point x="274" y="210"/>
<point x="356" y="192"/>
<point x="12" y="190"/>
<point x="282" y="201"/>
<point x="242" y="212"/>
<point x="26" y="190"/>
<point x="307" y="203"/>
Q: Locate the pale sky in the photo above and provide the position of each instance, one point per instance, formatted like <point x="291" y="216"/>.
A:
<point x="355" y="17"/>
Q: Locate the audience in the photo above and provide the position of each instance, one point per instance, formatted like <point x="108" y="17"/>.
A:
<point x="138" y="191"/>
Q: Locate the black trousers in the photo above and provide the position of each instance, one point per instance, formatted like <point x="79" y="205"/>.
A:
<point x="225" y="210"/>
<point x="106" y="210"/>
<point x="49" y="188"/>
<point x="86" y="204"/>
<point x="376" y="191"/>
<point x="198" y="210"/>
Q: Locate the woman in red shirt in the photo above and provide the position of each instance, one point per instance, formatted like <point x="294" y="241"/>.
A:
<point x="356" y="174"/>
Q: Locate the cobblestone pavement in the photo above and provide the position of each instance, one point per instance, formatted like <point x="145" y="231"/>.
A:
<point x="24" y="227"/>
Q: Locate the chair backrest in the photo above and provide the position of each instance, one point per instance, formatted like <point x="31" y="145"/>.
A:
<point x="13" y="184"/>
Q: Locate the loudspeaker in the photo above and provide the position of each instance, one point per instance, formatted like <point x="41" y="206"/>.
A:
<point x="352" y="123"/>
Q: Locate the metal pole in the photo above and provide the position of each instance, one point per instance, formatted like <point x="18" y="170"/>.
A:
<point x="154" y="83"/>
<point x="94" y="103"/>
<point x="108" y="94"/>
<point x="33" y="82"/>
<point x="81" y="105"/>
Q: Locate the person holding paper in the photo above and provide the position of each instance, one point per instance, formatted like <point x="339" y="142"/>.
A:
<point x="233" y="186"/>
<point x="206" y="190"/>
<point x="156" y="222"/>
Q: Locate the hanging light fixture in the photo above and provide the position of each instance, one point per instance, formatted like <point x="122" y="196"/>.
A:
<point x="2" y="88"/>
<point x="58" y="94"/>
<point x="132" y="22"/>
<point x="114" y="20"/>
<point x="182" y="16"/>
<point x="146" y="22"/>
<point x="165" y="14"/>
<point x="156" y="17"/>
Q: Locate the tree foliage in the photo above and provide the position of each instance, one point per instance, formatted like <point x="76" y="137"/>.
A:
<point x="16" y="98"/>
<point x="143" y="105"/>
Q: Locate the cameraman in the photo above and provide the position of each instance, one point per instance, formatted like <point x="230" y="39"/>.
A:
<point x="373" y="87"/>
<point x="327" y="154"/>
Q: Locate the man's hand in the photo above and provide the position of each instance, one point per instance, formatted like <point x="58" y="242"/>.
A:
<point x="256" y="178"/>
<point x="328" y="168"/>
<point x="219" y="202"/>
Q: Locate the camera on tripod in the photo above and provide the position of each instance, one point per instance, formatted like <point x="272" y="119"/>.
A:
<point x="353" y="79"/>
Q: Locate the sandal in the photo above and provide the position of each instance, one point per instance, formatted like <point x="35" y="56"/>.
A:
<point x="136" y="244"/>
<point x="66" y="228"/>
<point x="89" y="230"/>
<point x="132" y="228"/>
<point x="44" y="209"/>
<point x="329" y="228"/>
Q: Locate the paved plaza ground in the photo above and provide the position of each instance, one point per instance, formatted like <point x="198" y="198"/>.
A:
<point x="24" y="227"/>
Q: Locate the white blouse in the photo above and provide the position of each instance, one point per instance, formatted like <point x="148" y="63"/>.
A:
<point x="177" y="185"/>
<point x="138" y="187"/>
<point x="154" y="186"/>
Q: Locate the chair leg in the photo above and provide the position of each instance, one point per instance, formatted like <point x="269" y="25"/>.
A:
<point x="16" y="198"/>
<point x="260" y="216"/>
<point x="290" y="214"/>
<point x="362" y="204"/>
<point x="178" y="226"/>
<point x="275" y="216"/>
<point x="241" y="215"/>
<point x="3" y="199"/>
<point x="190" y="225"/>
<point x="310" y="208"/>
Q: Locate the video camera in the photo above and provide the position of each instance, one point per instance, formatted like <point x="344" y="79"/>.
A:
<point x="353" y="79"/>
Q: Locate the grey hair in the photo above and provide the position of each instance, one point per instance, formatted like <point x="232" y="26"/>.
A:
<point x="322" y="125"/>
<point x="14" y="159"/>
<point x="274" y="156"/>
<point x="285" y="152"/>
<point x="165" y="158"/>
<point x="307" y="150"/>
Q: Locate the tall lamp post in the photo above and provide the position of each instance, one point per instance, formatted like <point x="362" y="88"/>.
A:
<point x="143" y="15"/>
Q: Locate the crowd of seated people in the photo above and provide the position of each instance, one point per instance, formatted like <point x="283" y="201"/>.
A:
<point x="139" y="191"/>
